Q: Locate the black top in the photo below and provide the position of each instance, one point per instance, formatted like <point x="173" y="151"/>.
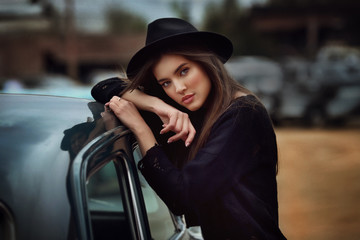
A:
<point x="229" y="188"/>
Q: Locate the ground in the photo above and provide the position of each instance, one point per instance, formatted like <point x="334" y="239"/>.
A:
<point x="319" y="183"/>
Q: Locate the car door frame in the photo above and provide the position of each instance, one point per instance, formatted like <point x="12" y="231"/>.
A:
<point x="129" y="181"/>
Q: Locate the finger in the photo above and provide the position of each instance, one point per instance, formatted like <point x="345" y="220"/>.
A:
<point x="182" y="134"/>
<point x="176" y="137"/>
<point x="170" y="125"/>
<point x="113" y="99"/>
<point x="187" y="135"/>
<point x="107" y="107"/>
<point x="190" y="136"/>
<point x="166" y="128"/>
<point x="179" y="123"/>
<point x="116" y="98"/>
<point x="116" y="106"/>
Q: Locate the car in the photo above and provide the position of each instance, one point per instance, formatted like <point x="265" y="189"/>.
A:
<point x="345" y="106"/>
<point x="337" y="69"/>
<point x="324" y="92"/>
<point x="299" y="92"/>
<point x="261" y="75"/>
<point x="68" y="171"/>
<point x="337" y="65"/>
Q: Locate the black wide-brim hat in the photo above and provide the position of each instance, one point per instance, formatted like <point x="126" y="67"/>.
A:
<point x="165" y="32"/>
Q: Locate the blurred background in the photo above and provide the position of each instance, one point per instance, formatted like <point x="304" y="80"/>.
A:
<point x="301" y="57"/>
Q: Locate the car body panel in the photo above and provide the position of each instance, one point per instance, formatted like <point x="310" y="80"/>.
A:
<point x="25" y="174"/>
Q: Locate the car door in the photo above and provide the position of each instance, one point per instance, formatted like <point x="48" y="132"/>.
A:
<point x="110" y="200"/>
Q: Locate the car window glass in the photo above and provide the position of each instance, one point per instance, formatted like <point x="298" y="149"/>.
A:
<point x="108" y="218"/>
<point x="160" y="220"/>
<point x="104" y="191"/>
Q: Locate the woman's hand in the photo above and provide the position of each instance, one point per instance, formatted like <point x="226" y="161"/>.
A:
<point x="109" y="119"/>
<point x="175" y="121"/>
<point x="128" y="114"/>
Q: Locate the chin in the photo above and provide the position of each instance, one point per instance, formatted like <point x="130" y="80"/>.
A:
<point x="193" y="108"/>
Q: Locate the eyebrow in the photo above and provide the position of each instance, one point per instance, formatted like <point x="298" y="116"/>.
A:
<point x="176" y="70"/>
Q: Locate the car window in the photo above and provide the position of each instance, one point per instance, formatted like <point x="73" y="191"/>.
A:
<point x="161" y="221"/>
<point x="112" y="198"/>
<point x="108" y="218"/>
<point x="104" y="191"/>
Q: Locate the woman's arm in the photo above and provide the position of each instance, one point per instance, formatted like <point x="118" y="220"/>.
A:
<point x="173" y="119"/>
<point x="142" y="100"/>
<point x="130" y="117"/>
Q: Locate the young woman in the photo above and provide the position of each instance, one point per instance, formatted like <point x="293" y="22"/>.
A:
<point x="223" y="175"/>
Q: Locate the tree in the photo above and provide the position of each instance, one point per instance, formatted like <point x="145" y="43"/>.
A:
<point x="120" y="21"/>
<point x="231" y="20"/>
<point x="181" y="8"/>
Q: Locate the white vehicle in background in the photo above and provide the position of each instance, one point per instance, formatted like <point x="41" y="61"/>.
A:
<point x="298" y="91"/>
<point x="337" y="70"/>
<point x="325" y="92"/>
<point x="260" y="75"/>
<point x="345" y="106"/>
<point x="337" y="65"/>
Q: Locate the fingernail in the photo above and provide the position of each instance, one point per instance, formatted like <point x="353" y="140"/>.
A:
<point x="187" y="144"/>
<point x="169" y="141"/>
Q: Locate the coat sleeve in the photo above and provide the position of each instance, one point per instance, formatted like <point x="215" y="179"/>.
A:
<point x="228" y="154"/>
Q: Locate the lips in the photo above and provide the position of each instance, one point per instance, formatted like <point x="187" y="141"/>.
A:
<point x="188" y="98"/>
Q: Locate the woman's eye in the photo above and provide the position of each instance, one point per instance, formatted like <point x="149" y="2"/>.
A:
<point x="165" y="84"/>
<point x="184" y="71"/>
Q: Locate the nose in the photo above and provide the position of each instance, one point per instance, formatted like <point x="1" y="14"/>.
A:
<point x="180" y="87"/>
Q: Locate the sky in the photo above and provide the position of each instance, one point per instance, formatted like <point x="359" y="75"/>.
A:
<point x="90" y="13"/>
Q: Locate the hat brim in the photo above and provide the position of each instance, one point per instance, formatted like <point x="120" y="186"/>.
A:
<point x="218" y="44"/>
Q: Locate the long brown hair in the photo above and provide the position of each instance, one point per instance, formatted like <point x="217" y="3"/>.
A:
<point x="223" y="90"/>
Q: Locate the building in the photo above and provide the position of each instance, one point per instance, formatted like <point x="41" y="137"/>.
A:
<point x="303" y="30"/>
<point x="33" y="43"/>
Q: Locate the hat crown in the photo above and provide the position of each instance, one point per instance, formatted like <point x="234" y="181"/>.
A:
<point x="167" y="27"/>
<point x="167" y="32"/>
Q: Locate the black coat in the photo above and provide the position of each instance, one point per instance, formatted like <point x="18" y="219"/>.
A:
<point x="229" y="188"/>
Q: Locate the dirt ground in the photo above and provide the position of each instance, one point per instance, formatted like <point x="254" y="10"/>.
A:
<point x="319" y="183"/>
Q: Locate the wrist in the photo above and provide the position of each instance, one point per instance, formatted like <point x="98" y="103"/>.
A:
<point x="156" y="104"/>
<point x="145" y="139"/>
<point x="144" y="101"/>
<point x="141" y="130"/>
<point x="159" y="107"/>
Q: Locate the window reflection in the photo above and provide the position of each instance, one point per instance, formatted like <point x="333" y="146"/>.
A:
<point x="108" y="218"/>
<point x="104" y="191"/>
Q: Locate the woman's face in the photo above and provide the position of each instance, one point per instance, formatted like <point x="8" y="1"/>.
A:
<point x="183" y="80"/>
